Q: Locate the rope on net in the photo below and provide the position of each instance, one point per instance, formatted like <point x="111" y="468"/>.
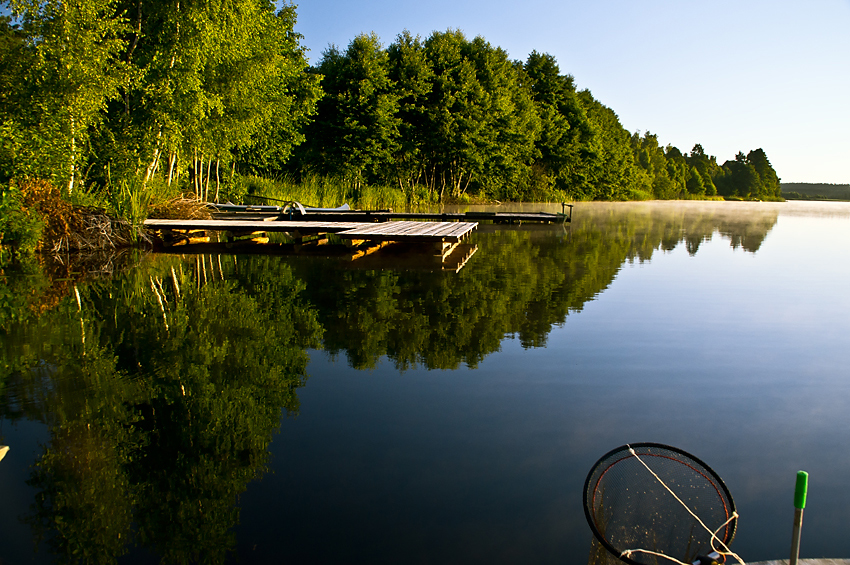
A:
<point x="726" y="551"/>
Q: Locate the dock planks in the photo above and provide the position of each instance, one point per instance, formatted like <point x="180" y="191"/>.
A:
<point x="407" y="231"/>
<point x="411" y="231"/>
<point x="253" y="225"/>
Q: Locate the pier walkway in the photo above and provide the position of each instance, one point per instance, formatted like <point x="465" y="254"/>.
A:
<point x="438" y="240"/>
<point x="419" y="232"/>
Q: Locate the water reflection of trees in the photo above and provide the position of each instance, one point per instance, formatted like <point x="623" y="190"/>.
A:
<point x="521" y="283"/>
<point x="161" y="394"/>
<point x="162" y="386"/>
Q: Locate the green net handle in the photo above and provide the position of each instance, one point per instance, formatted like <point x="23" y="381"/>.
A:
<point x="801" y="489"/>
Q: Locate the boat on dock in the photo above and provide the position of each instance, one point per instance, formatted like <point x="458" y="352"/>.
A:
<point x="294" y="211"/>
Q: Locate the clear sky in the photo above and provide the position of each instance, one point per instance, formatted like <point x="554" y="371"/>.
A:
<point x="730" y="75"/>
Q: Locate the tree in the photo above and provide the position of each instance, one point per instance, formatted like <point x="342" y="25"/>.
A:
<point x="456" y="116"/>
<point x="283" y="95"/>
<point x="769" y="180"/>
<point x="480" y="120"/>
<point x="564" y="143"/>
<point x="212" y="78"/>
<point x="356" y="130"/>
<point x="73" y="70"/>
<point x="695" y="185"/>
<point x="614" y="172"/>
<point x="739" y="179"/>
<point x="412" y="75"/>
<point x="706" y="166"/>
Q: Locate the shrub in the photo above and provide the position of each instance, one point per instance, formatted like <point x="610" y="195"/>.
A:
<point x="21" y="226"/>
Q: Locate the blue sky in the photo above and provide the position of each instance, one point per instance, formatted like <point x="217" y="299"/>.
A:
<point x="731" y="75"/>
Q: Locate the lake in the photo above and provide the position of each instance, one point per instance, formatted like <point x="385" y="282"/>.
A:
<point x="225" y="408"/>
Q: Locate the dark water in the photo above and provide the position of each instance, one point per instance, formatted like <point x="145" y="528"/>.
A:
<point x="303" y="410"/>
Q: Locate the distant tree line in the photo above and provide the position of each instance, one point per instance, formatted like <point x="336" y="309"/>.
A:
<point x="186" y="94"/>
<point x="815" y="191"/>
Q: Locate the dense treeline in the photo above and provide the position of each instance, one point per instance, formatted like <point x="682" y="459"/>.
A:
<point x="137" y="99"/>
<point x="449" y="116"/>
<point x="104" y="91"/>
<point x="815" y="191"/>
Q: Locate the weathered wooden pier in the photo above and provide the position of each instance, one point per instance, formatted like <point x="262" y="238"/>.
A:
<point x="439" y="239"/>
<point x="434" y="234"/>
<point x="388" y="231"/>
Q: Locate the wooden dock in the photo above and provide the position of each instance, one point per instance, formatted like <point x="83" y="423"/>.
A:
<point x="253" y="225"/>
<point x="437" y="244"/>
<point x="418" y="232"/>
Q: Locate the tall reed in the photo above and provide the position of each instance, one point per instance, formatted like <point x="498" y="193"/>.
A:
<point x="322" y="192"/>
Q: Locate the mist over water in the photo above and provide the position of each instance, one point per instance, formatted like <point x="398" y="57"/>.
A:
<point x="297" y="410"/>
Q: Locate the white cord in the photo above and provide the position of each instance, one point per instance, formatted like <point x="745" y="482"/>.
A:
<point x="713" y="533"/>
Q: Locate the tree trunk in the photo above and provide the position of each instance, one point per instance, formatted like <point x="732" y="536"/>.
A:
<point x="209" y="174"/>
<point x="217" y="179"/>
<point x="172" y="159"/>
<point x="195" y="170"/>
<point x="72" y="169"/>
<point x="154" y="160"/>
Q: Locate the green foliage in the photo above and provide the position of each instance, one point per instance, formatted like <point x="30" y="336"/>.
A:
<point x="358" y="112"/>
<point x="124" y="98"/>
<point x="749" y="177"/>
<point x="677" y="175"/>
<point x="565" y="156"/>
<point x="68" y="69"/>
<point x="323" y="192"/>
<point x="112" y="91"/>
<point x="20" y="227"/>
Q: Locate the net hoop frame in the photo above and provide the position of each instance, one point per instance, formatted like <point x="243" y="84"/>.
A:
<point x="714" y="480"/>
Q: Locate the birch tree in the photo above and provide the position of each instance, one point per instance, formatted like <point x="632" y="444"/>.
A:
<point x="72" y="50"/>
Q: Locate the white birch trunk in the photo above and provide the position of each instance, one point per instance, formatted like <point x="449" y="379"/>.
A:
<point x="209" y="174"/>
<point x="72" y="169"/>
<point x="172" y="159"/>
<point x="217" y="179"/>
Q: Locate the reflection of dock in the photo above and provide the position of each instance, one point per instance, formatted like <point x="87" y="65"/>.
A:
<point x="431" y="245"/>
<point x="414" y="258"/>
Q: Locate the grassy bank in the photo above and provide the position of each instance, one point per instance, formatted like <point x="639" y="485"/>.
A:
<point x="36" y="216"/>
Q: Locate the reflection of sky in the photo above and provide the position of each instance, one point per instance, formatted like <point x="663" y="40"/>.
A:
<point x="749" y="362"/>
<point x="740" y="358"/>
<point x="24" y="439"/>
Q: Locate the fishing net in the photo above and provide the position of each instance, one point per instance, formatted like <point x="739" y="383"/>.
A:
<point x="652" y="504"/>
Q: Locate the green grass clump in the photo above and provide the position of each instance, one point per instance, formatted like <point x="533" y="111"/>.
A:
<point x="320" y="192"/>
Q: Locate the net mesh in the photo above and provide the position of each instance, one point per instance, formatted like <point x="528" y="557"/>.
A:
<point x="628" y="508"/>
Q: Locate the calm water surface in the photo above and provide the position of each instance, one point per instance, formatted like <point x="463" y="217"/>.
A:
<point x="303" y="410"/>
